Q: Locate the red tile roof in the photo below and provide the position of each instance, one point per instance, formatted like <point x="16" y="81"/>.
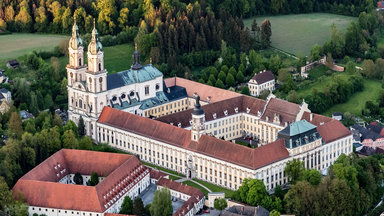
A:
<point x="204" y="91"/>
<point x="196" y="195"/>
<point x="287" y="111"/>
<point x="241" y="103"/>
<point x="113" y="214"/>
<point x="263" y="77"/>
<point x="207" y="145"/>
<point x="157" y="174"/>
<point x="40" y="186"/>
<point x="333" y="130"/>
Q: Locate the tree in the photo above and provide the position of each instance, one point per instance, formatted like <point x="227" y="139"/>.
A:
<point x="293" y="97"/>
<point x="350" y="67"/>
<point x="312" y="176"/>
<point x="94" y="180"/>
<point x="274" y="213"/>
<point x="329" y="61"/>
<point x="315" y="53"/>
<point x="85" y="143"/>
<point x="15" y="125"/>
<point x="252" y="191"/>
<point x="275" y="63"/>
<point x="127" y="206"/>
<point x="299" y="200"/>
<point x="34" y="107"/>
<point x="69" y="140"/>
<point x="245" y="91"/>
<point x="240" y="77"/>
<point x="138" y="207"/>
<point x="369" y="69"/>
<point x="230" y="81"/>
<point x="78" y="179"/>
<point x="294" y="170"/>
<point x="48" y="102"/>
<point x="255" y="29"/>
<point x="276" y="5"/>
<point x="220" y="204"/>
<point x="221" y="76"/>
<point x="81" y="127"/>
<point x="266" y="33"/>
<point x="162" y="203"/>
<point x="107" y="15"/>
<point x="219" y="84"/>
<point x="6" y="196"/>
<point x="379" y="68"/>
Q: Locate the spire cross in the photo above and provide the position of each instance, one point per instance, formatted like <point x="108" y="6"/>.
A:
<point x="74" y="21"/>
<point x="94" y="23"/>
<point x="150" y="60"/>
<point x="135" y="46"/>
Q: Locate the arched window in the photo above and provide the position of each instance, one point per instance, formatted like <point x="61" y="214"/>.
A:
<point x="99" y="66"/>
<point x="80" y="103"/>
<point x="79" y="61"/>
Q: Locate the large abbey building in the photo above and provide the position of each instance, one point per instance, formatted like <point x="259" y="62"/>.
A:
<point x="196" y="124"/>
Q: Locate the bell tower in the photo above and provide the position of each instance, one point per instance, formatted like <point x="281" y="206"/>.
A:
<point x="198" y="121"/>
<point x="76" y="67"/>
<point x="96" y="73"/>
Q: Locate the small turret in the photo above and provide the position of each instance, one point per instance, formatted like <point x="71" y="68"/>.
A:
<point x="75" y="42"/>
<point x="136" y="60"/>
<point x="198" y="121"/>
<point x="95" y="46"/>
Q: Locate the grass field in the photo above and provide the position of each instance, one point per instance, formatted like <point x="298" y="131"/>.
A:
<point x="116" y="58"/>
<point x="16" y="45"/>
<point x="297" y="34"/>
<point x="357" y="102"/>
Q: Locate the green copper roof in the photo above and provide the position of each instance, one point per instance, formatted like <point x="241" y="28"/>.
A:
<point x="298" y="127"/>
<point x="123" y="78"/>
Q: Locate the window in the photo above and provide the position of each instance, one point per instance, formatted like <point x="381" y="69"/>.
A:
<point x="157" y="86"/>
<point x="79" y="61"/>
<point x="146" y="90"/>
<point x="99" y="66"/>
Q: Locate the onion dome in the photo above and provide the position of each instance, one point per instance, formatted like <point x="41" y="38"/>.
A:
<point x="95" y="46"/>
<point x="197" y="110"/>
<point x="75" y="42"/>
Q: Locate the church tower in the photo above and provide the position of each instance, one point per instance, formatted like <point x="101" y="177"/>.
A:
<point x="76" y="67"/>
<point x="198" y="121"/>
<point x="96" y="73"/>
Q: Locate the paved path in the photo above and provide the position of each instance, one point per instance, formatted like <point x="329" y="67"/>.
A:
<point x="185" y="179"/>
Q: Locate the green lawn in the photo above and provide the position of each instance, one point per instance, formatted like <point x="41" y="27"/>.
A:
<point x="16" y="45"/>
<point x="357" y="102"/>
<point x="298" y="33"/>
<point x="193" y="184"/>
<point x="216" y="188"/>
<point x="116" y="58"/>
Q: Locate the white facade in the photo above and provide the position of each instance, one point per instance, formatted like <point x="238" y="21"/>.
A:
<point x="88" y="92"/>
<point x="210" y="169"/>
<point x="133" y="192"/>
<point x="256" y="88"/>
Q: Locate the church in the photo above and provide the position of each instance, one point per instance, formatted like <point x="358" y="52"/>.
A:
<point x="139" y="90"/>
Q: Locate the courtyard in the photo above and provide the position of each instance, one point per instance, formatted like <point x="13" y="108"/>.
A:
<point x="148" y="194"/>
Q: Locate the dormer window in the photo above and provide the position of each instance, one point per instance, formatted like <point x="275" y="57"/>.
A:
<point x="190" y="122"/>
<point x="157" y="86"/>
<point x="236" y="110"/>
<point x="179" y="125"/>
<point x="214" y="115"/>
<point x="122" y="96"/>
<point x="225" y="112"/>
<point x="248" y="110"/>
<point x="114" y="98"/>
<point x="132" y="93"/>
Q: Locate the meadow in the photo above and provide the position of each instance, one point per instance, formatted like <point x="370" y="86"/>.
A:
<point x="298" y="33"/>
<point x="16" y="45"/>
<point x="322" y="76"/>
